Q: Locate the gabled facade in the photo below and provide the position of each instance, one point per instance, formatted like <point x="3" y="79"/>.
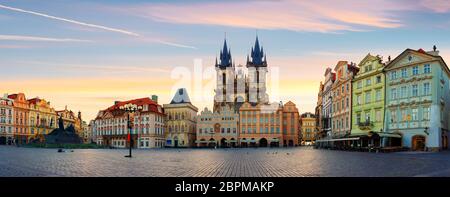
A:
<point x="308" y="128"/>
<point x="341" y="99"/>
<point x="368" y="98"/>
<point x="6" y="120"/>
<point x="180" y="121"/>
<point x="327" y="103"/>
<point x="21" y="113"/>
<point x="218" y="129"/>
<point x="42" y="118"/>
<point x="418" y="99"/>
<point x="110" y="127"/>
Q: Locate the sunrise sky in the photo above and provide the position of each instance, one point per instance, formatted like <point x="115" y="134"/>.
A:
<point x="87" y="54"/>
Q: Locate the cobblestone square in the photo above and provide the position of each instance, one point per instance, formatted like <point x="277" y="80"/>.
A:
<point x="244" y="162"/>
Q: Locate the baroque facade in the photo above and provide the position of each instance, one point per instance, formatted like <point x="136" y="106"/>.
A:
<point x="6" y="120"/>
<point x="21" y="113"/>
<point x="110" y="127"/>
<point x="418" y="100"/>
<point x="42" y="118"/>
<point x="341" y="99"/>
<point x="180" y="121"/>
<point x="271" y="125"/>
<point x="218" y="129"/>
<point x="308" y="128"/>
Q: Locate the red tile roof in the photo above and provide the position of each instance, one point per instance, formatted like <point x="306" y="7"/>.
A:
<point x="12" y="96"/>
<point x="152" y="105"/>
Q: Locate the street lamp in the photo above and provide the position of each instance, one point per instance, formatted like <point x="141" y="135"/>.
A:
<point x="130" y="108"/>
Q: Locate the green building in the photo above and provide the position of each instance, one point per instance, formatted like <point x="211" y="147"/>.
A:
<point x="368" y="102"/>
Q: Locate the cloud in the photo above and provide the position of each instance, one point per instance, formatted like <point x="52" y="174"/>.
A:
<point x="439" y="6"/>
<point x="71" y="21"/>
<point x="85" y="24"/>
<point x="324" y="16"/>
<point x="39" y="39"/>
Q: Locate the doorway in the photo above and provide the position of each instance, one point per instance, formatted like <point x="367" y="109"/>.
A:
<point x="263" y="142"/>
<point x="418" y="143"/>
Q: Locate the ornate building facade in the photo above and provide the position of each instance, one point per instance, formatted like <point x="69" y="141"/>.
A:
<point x="21" y="113"/>
<point x="271" y="125"/>
<point x="342" y="99"/>
<point x="180" y="120"/>
<point x="42" y="118"/>
<point x="418" y="99"/>
<point x="111" y="125"/>
<point x="6" y="120"/>
<point x="218" y="129"/>
<point x="327" y="101"/>
<point x="368" y="104"/>
<point x="308" y="128"/>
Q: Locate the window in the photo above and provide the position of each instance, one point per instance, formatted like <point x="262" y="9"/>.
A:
<point x="367" y="97"/>
<point x="414" y="114"/>
<point x="393" y="75"/>
<point x="404" y="73"/>
<point x="378" y="79"/>
<point x="426" y="68"/>
<point x="378" y="95"/>
<point x="415" y="70"/>
<point x="368" y="82"/>
<point x="358" y="99"/>
<point x="415" y="90"/>
<point x="378" y="115"/>
<point x="393" y="93"/>
<point x="403" y="93"/>
<point x="426" y="113"/>
<point x="359" y="84"/>
<point x="426" y="88"/>
<point x="367" y="116"/>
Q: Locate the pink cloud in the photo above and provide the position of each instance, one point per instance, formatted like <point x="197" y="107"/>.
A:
<point x="323" y="16"/>
<point x="439" y="6"/>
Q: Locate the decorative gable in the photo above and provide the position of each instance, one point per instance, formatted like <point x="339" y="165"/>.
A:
<point x="408" y="57"/>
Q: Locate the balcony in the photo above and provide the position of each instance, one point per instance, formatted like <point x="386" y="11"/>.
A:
<point x="367" y="125"/>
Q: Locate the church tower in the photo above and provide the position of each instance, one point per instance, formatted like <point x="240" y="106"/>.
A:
<point x="257" y="72"/>
<point x="225" y="84"/>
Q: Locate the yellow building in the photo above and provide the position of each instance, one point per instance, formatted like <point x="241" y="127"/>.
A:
<point x="180" y="121"/>
<point x="42" y="118"/>
<point x="308" y="128"/>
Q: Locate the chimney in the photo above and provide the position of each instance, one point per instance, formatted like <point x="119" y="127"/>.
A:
<point x="155" y="98"/>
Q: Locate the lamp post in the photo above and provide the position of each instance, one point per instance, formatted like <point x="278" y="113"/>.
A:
<point x="130" y="108"/>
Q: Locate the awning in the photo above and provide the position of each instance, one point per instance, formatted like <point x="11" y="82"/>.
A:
<point x="339" y="139"/>
<point x="274" y="140"/>
<point x="200" y="141"/>
<point x="251" y="140"/>
<point x="231" y="140"/>
<point x="243" y="140"/>
<point x="394" y="135"/>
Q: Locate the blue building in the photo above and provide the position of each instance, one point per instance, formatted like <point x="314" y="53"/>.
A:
<point x="418" y="99"/>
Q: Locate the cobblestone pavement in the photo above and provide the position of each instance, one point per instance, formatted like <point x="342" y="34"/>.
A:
<point x="247" y="162"/>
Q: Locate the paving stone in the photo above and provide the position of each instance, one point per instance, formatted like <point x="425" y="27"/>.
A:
<point x="245" y="162"/>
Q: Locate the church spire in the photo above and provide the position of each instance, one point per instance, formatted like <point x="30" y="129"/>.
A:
<point x="257" y="54"/>
<point x="225" y="56"/>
